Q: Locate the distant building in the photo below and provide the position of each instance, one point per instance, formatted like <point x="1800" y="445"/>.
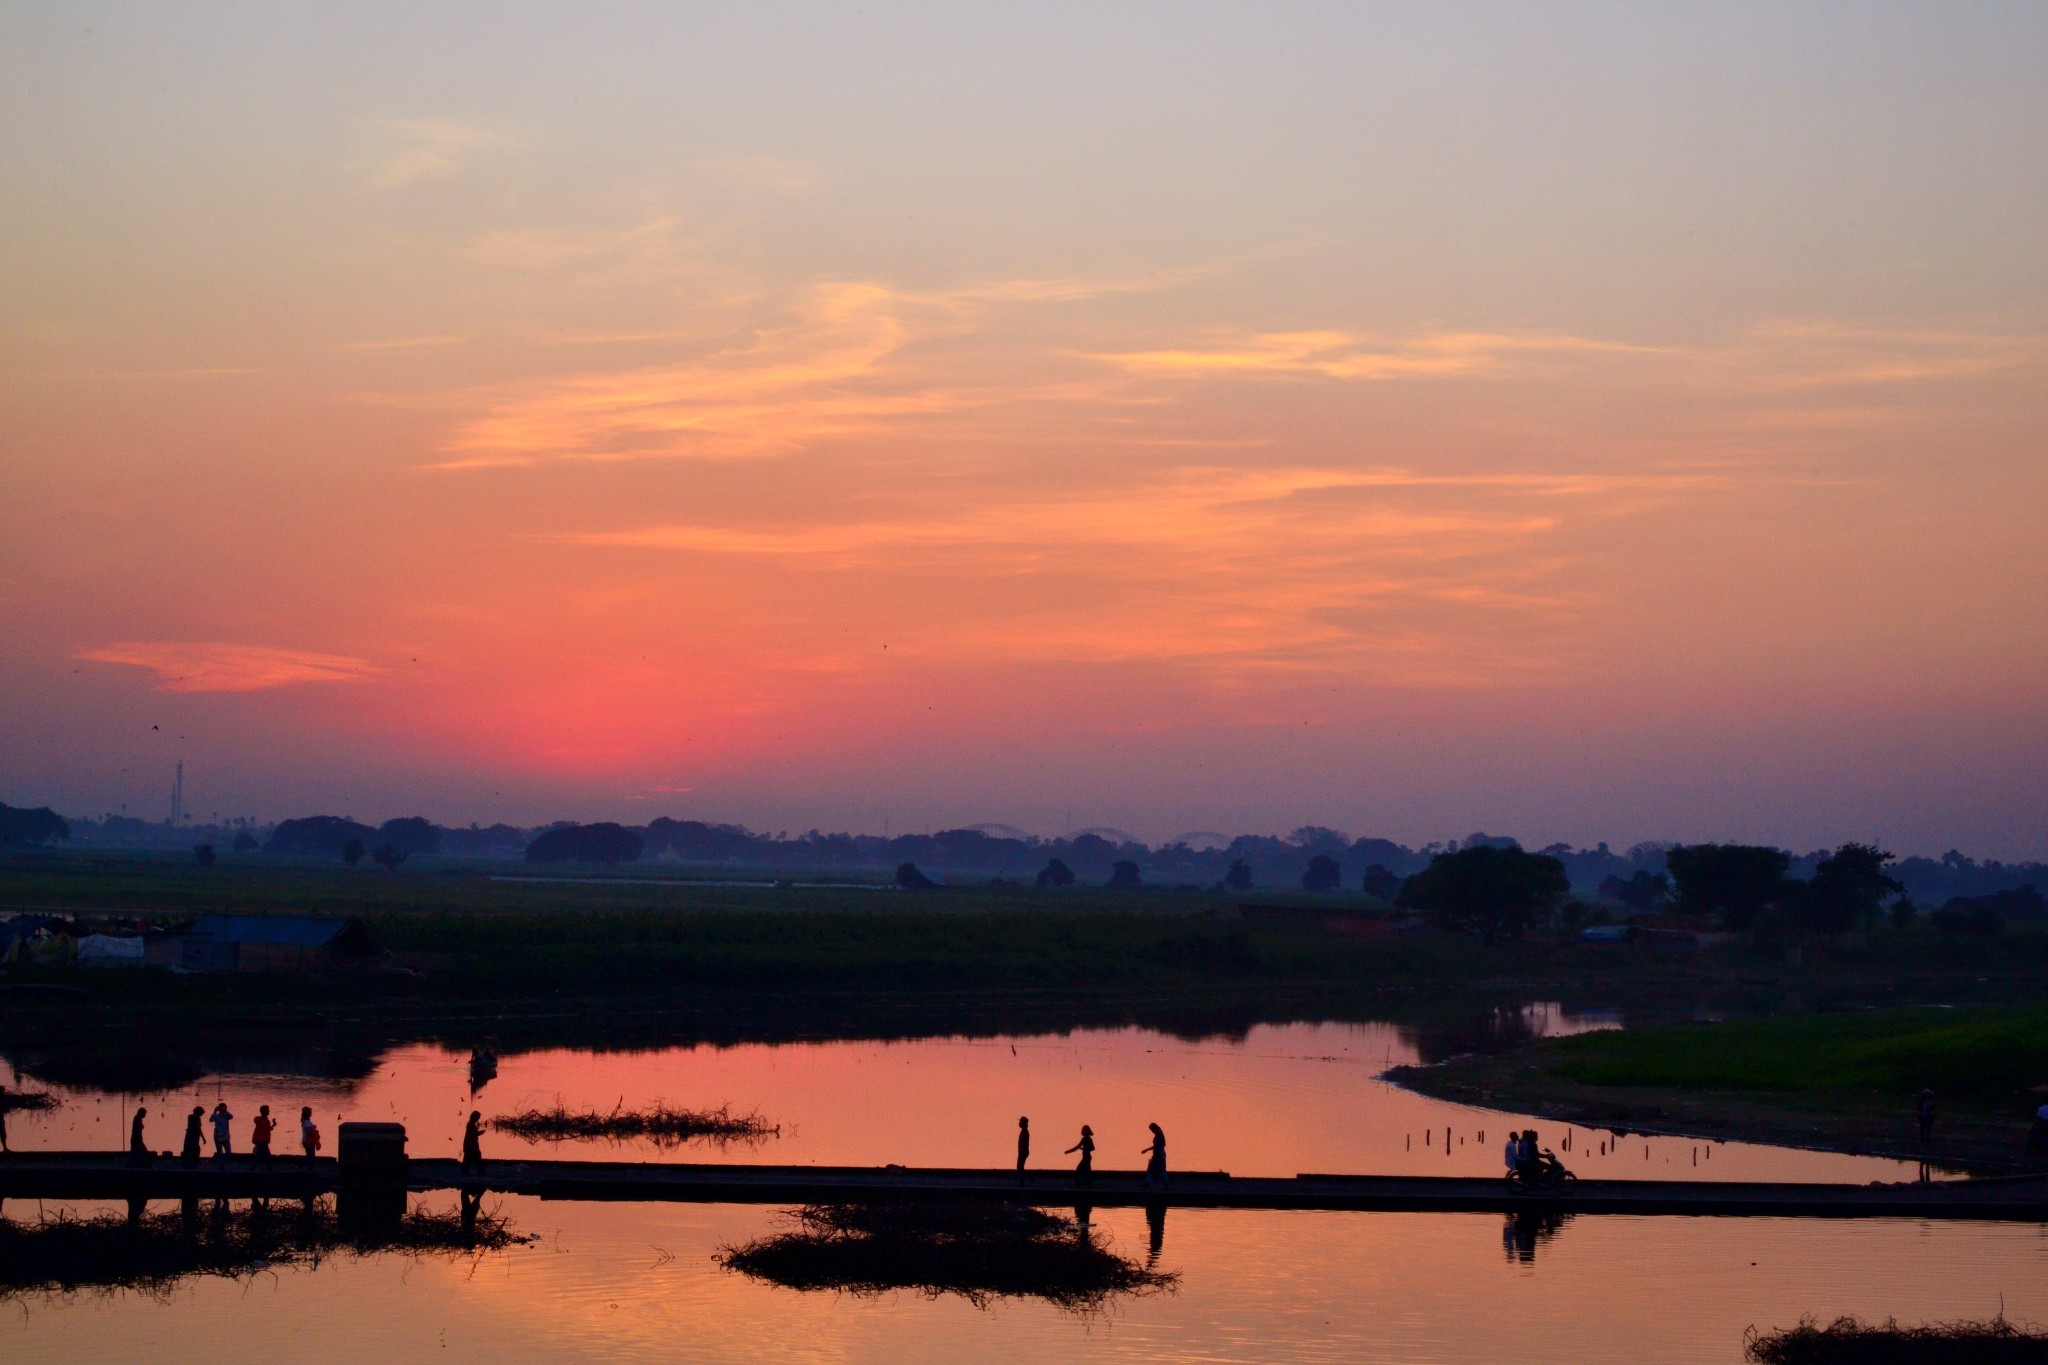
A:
<point x="270" y="943"/>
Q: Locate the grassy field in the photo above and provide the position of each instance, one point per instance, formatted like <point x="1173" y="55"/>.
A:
<point x="489" y="932"/>
<point x="1986" y="1054"/>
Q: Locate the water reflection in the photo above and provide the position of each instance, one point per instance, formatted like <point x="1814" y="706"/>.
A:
<point x="1525" y="1229"/>
<point x="62" y="1250"/>
<point x="1281" y="1100"/>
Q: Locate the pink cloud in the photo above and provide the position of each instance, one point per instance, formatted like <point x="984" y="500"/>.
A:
<point x="211" y="666"/>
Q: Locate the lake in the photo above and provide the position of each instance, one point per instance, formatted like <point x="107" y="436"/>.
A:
<point x="634" y="1282"/>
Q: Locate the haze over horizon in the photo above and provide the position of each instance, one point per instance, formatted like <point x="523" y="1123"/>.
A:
<point x="1580" y="423"/>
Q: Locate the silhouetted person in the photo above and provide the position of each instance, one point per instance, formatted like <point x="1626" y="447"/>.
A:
<point x="1155" y="1158"/>
<point x="309" y="1134"/>
<point x="1926" y="1116"/>
<point x="1512" y="1153"/>
<point x="138" y="1148"/>
<point x="194" y="1121"/>
<point x="2037" y="1139"/>
<point x="223" y="1137"/>
<point x="1023" y="1147"/>
<point x="473" y="1144"/>
<point x="259" y="1136"/>
<point x="1155" y="1232"/>
<point x="1084" y="1169"/>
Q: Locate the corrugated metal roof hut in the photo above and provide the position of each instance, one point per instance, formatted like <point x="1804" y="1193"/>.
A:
<point x="278" y="943"/>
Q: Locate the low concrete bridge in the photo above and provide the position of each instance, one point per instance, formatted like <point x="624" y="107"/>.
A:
<point x="96" y="1175"/>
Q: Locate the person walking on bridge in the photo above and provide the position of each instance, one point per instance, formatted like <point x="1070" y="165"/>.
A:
<point x="1023" y="1147"/>
<point x="223" y="1137"/>
<point x="138" y="1149"/>
<point x="189" y="1153"/>
<point x="1155" y="1163"/>
<point x="259" y="1136"/>
<point x="1084" y="1169"/>
<point x="473" y="1144"/>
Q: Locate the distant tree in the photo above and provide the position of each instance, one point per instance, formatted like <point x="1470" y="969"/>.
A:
<point x="412" y="834"/>
<point x="1641" y="892"/>
<point x="606" y="843"/>
<point x="1314" y="837"/>
<point x="1323" y="874"/>
<point x="204" y="853"/>
<point x="1123" y="875"/>
<point x="25" y="827"/>
<point x="1734" y="881"/>
<point x="1055" y="874"/>
<point x="317" y="836"/>
<point x="1493" y="892"/>
<point x="1977" y="919"/>
<point x="352" y="852"/>
<point x="1847" y="889"/>
<point x="387" y="856"/>
<point x="1381" y="882"/>
<point x="1903" y="911"/>
<point x="1988" y="914"/>
<point x="910" y="879"/>
<point x="245" y="842"/>
<point x="1238" y="880"/>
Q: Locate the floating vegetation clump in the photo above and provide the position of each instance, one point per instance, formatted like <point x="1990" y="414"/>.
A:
<point x="150" y="1253"/>
<point x="26" y="1101"/>
<point x="980" y="1251"/>
<point x="1850" y="1341"/>
<point x="661" y="1125"/>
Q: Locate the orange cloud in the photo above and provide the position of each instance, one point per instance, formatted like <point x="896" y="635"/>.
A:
<point x="1348" y="355"/>
<point x="217" y="667"/>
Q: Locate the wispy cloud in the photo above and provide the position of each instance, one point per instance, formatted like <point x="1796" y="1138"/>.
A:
<point x="1348" y="355"/>
<point x="211" y="666"/>
<point x="408" y="151"/>
<point x="785" y="387"/>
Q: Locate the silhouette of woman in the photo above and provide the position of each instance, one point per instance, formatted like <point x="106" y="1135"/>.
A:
<point x="1084" y="1170"/>
<point x="1155" y="1164"/>
<point x="193" y="1120"/>
<point x="138" y="1149"/>
<point x="472" y="1144"/>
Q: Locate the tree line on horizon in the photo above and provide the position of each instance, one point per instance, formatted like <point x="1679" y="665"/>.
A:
<point x="1728" y="883"/>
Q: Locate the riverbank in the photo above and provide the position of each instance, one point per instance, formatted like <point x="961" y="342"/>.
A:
<point x="1842" y="1082"/>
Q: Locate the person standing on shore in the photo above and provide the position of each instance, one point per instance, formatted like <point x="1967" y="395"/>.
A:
<point x="259" y="1136"/>
<point x="309" y="1134"/>
<point x="223" y="1137"/>
<point x="1926" y="1116"/>
<point x="189" y="1153"/>
<point x="1084" y="1169"/>
<point x="1023" y="1147"/>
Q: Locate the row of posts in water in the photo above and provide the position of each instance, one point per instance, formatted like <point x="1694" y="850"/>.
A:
<point x="1607" y="1147"/>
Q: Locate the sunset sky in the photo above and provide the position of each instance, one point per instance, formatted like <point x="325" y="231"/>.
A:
<point x="1575" y="421"/>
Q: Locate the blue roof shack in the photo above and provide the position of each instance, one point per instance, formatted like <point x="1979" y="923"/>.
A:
<point x="278" y="943"/>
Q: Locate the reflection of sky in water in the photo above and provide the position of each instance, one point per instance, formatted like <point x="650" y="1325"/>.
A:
<point x="1284" y="1099"/>
<point x="635" y="1282"/>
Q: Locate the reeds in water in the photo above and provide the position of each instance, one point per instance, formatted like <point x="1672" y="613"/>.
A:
<point x="979" y="1251"/>
<point x="660" y="1124"/>
<point x="1850" y="1341"/>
